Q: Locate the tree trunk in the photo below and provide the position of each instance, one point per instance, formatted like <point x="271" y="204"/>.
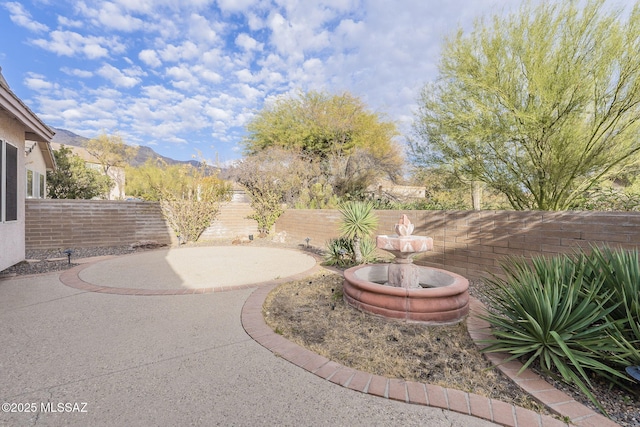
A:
<point x="357" y="253"/>
<point x="476" y="195"/>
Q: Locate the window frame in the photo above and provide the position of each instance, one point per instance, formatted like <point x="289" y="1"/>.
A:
<point x="9" y="176"/>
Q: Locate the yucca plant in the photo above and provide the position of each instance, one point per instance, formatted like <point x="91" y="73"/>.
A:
<point x="547" y="311"/>
<point x="368" y="249"/>
<point x="358" y="220"/>
<point x="620" y="272"/>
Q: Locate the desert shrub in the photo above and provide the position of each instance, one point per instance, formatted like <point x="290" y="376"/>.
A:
<point x="368" y="249"/>
<point x="556" y="312"/>
<point x="339" y="252"/>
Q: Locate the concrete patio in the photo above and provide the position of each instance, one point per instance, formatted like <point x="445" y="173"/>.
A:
<point x="173" y="359"/>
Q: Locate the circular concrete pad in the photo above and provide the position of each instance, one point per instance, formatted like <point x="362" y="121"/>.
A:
<point x="197" y="267"/>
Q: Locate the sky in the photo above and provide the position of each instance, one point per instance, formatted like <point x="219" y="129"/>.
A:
<point x="185" y="76"/>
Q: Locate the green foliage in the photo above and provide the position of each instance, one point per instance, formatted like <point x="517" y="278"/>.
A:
<point x="190" y="196"/>
<point x="72" y="179"/>
<point x="565" y="313"/>
<point x="318" y="124"/>
<point x="368" y="249"/>
<point x="267" y="208"/>
<point x="540" y="105"/>
<point x="620" y="272"/>
<point x="351" y="145"/>
<point x="319" y="195"/>
<point x="607" y="198"/>
<point x="111" y="152"/>
<point x="358" y="221"/>
<point x="339" y="252"/>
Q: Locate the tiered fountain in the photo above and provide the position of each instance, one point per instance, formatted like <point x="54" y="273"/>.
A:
<point x="403" y="290"/>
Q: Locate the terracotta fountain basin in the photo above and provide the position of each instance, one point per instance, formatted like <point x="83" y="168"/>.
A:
<point x="442" y="297"/>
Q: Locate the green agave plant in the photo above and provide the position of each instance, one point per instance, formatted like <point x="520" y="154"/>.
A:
<point x="368" y="249"/>
<point x="620" y="271"/>
<point x="339" y="252"/>
<point x="549" y="311"/>
<point x="621" y="274"/>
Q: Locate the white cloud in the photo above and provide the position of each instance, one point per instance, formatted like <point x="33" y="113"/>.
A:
<point x="207" y="74"/>
<point x="235" y="5"/>
<point x="69" y="43"/>
<point x="248" y="92"/>
<point x="150" y="57"/>
<point x="244" y="75"/>
<point x="64" y="21"/>
<point x="247" y="42"/>
<point x="84" y="74"/>
<point x="200" y="29"/>
<point x="117" y="77"/>
<point x="198" y="73"/>
<point x="37" y="83"/>
<point x="186" y="51"/>
<point x="111" y="16"/>
<point x="218" y="113"/>
<point x="20" y="16"/>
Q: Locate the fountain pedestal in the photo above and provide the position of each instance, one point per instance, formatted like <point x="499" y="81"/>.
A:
<point x="402" y="272"/>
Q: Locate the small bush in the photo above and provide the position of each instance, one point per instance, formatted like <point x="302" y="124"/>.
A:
<point x="368" y="249"/>
<point x="339" y="252"/>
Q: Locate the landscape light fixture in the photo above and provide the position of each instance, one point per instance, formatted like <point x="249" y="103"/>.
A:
<point x="634" y="371"/>
<point x="68" y="252"/>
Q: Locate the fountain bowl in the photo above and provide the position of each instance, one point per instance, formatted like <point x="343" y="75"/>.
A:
<point x="441" y="299"/>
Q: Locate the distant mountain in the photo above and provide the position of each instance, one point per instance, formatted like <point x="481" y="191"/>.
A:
<point x="66" y="137"/>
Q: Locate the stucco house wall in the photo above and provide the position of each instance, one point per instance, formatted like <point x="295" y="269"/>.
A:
<point x="12" y="232"/>
<point x="36" y="166"/>
<point x="18" y="124"/>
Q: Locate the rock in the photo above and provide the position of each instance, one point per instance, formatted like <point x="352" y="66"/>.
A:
<point x="147" y="244"/>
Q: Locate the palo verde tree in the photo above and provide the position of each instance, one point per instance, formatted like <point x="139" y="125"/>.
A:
<point x="350" y="143"/>
<point x="189" y="196"/>
<point x="113" y="155"/>
<point x="540" y="105"/>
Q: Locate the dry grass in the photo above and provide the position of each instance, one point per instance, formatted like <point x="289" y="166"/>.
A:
<point x="312" y="314"/>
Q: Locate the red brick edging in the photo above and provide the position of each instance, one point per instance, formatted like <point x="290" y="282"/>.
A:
<point x="426" y="394"/>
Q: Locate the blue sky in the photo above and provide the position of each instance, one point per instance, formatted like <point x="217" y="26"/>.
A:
<point x="185" y="76"/>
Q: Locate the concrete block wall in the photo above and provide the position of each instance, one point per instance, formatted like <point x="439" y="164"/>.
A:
<point x="52" y="224"/>
<point x="472" y="243"/>
<point x="231" y="221"/>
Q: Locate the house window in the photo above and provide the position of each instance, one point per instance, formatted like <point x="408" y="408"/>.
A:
<point x="8" y="182"/>
<point x="29" y="183"/>
<point x="35" y="185"/>
<point x="42" y="186"/>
